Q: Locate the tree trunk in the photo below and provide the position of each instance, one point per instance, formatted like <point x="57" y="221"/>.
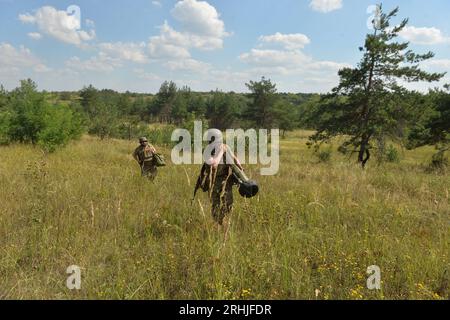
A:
<point x="363" y="150"/>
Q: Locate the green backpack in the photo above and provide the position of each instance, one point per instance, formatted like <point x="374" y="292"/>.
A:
<point x="159" y="160"/>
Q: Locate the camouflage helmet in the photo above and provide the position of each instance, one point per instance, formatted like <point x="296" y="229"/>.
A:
<point x="143" y="139"/>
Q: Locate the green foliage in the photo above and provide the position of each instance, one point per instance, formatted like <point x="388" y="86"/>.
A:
<point x="439" y="161"/>
<point x="164" y="101"/>
<point x="5" y="124"/>
<point x="324" y="155"/>
<point x="179" y="111"/>
<point x="433" y="128"/>
<point x="261" y="110"/>
<point x="160" y="136"/>
<point x="391" y="154"/>
<point x="222" y="110"/>
<point x="102" y="112"/>
<point x="369" y="103"/>
<point x="61" y="125"/>
<point x="286" y="116"/>
<point x="29" y="118"/>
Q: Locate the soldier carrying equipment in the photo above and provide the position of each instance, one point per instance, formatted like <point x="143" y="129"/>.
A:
<point x="218" y="177"/>
<point x="148" y="159"/>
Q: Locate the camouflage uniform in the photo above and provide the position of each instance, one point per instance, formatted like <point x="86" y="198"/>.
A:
<point x="222" y="192"/>
<point x="219" y="183"/>
<point x="144" y="156"/>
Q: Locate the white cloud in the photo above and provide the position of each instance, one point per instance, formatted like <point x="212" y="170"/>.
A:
<point x="199" y="17"/>
<point x="188" y="65"/>
<point x="13" y="60"/>
<point x="274" y="58"/>
<point x="437" y="64"/>
<point x="202" y="29"/>
<point x="58" y="24"/>
<point x="325" y="6"/>
<point x="90" y="23"/>
<point x="99" y="63"/>
<point x="128" y="51"/>
<point x="424" y="36"/>
<point x="35" y="35"/>
<point x="289" y="41"/>
<point x="169" y="44"/>
<point x="142" y="74"/>
<point x="295" y="70"/>
<point x="157" y="3"/>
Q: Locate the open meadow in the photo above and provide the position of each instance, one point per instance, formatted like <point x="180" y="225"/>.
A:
<point x="311" y="232"/>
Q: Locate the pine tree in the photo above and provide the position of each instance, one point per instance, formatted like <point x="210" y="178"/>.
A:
<point x="262" y="108"/>
<point x="367" y="105"/>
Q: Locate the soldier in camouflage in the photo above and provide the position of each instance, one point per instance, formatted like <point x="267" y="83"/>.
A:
<point x="144" y="155"/>
<point x="217" y="177"/>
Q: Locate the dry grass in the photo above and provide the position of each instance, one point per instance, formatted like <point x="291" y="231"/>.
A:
<point x="310" y="234"/>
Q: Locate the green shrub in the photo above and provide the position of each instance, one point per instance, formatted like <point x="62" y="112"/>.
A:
<point x="439" y="161"/>
<point x="60" y="126"/>
<point x="30" y="118"/>
<point x="5" y="120"/>
<point x="160" y="136"/>
<point x="324" y="155"/>
<point x="391" y="154"/>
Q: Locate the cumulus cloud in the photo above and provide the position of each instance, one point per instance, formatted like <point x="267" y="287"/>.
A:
<point x="289" y="41"/>
<point x="273" y="58"/>
<point x="325" y="6"/>
<point x="35" y="35"/>
<point x="157" y="3"/>
<point x="436" y="65"/>
<point x="188" y="65"/>
<point x="59" y="25"/>
<point x="169" y="44"/>
<point x="16" y="59"/>
<point x="202" y="29"/>
<point x="424" y="36"/>
<point x="127" y="51"/>
<point x="292" y="63"/>
<point x="142" y="74"/>
<point x="200" y="18"/>
<point x="99" y="63"/>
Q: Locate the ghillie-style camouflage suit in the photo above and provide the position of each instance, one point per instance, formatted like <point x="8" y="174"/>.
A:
<point x="218" y="180"/>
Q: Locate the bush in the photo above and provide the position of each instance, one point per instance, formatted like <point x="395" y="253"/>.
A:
<point x="439" y="161"/>
<point x="160" y="136"/>
<point x="60" y="126"/>
<point x="5" y="120"/>
<point x="29" y="118"/>
<point x="324" y="155"/>
<point x="391" y="154"/>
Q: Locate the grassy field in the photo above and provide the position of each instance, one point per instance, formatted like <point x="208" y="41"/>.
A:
<point x="311" y="232"/>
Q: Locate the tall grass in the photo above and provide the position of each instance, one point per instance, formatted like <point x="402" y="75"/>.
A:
<point x="311" y="232"/>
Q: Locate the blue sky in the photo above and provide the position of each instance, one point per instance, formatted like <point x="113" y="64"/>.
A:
<point x="136" y="45"/>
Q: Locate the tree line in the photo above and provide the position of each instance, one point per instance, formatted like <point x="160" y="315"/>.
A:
<point x="110" y="114"/>
<point x="368" y="108"/>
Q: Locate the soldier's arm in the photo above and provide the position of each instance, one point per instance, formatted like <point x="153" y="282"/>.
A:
<point x="135" y="155"/>
<point x="199" y="180"/>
